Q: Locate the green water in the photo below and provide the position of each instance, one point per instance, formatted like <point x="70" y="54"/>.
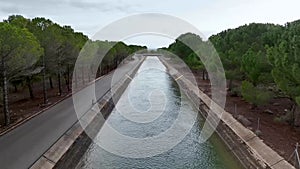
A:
<point x="157" y="104"/>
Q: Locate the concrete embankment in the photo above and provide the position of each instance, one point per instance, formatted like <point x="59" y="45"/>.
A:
<point x="248" y="148"/>
<point x="86" y="128"/>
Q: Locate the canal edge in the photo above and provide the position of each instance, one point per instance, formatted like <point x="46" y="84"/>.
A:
<point x="57" y="151"/>
<point x="232" y="131"/>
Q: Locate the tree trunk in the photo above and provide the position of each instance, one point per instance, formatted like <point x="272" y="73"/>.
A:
<point x="116" y="63"/>
<point x="45" y="96"/>
<point x="51" y="82"/>
<point x="5" y="93"/>
<point x="98" y="72"/>
<point x="89" y="74"/>
<point x="28" y="83"/>
<point x="75" y="78"/>
<point x="68" y="78"/>
<point x="102" y="69"/>
<point x="296" y="112"/>
<point x="16" y="88"/>
<point x="44" y="82"/>
<point x="82" y="74"/>
<point x="206" y="75"/>
<point x="230" y="85"/>
<point x="59" y="84"/>
<point x="67" y="82"/>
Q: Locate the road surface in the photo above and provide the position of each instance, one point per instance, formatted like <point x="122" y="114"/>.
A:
<point x="21" y="147"/>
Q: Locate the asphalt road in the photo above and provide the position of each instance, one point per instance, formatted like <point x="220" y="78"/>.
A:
<point x="21" y="147"/>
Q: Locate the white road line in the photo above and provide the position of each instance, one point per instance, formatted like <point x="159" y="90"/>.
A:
<point x="178" y="77"/>
<point x="128" y="76"/>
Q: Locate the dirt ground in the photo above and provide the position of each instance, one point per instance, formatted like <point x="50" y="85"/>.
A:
<point x="280" y="136"/>
<point x="22" y="107"/>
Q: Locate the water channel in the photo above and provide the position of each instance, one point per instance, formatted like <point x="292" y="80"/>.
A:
<point x="149" y="107"/>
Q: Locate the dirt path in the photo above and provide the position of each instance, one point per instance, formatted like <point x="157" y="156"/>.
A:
<point x="280" y="136"/>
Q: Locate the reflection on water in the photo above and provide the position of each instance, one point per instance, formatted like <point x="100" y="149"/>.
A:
<point x="149" y="107"/>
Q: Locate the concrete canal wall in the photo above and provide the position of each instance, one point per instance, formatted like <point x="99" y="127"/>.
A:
<point x="91" y="122"/>
<point x="248" y="148"/>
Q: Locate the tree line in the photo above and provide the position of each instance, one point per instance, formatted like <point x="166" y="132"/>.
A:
<point x="40" y="51"/>
<point x="261" y="61"/>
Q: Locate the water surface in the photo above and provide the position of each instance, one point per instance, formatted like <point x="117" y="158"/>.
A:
<point x="148" y="109"/>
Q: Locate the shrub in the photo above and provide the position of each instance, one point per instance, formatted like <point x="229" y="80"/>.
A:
<point x="288" y="118"/>
<point x="254" y="95"/>
<point x="236" y="91"/>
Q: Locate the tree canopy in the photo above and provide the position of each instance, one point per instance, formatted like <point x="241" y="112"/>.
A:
<point x="256" y="57"/>
<point x="37" y="49"/>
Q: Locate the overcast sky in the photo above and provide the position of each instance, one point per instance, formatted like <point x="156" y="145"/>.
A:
<point x="209" y="16"/>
